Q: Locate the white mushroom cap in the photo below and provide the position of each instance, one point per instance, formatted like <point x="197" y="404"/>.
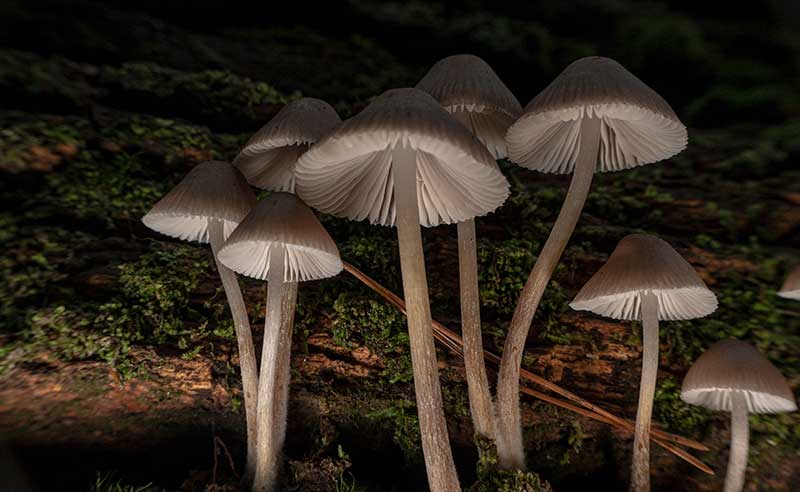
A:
<point x="641" y="264"/>
<point x="791" y="286"/>
<point x="212" y="190"/>
<point x="348" y="173"/>
<point x="268" y="159"/>
<point x="282" y="219"/>
<point x="729" y="366"/>
<point x="638" y="126"/>
<point x="471" y="91"/>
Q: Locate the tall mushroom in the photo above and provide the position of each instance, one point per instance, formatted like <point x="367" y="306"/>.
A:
<point x="732" y="376"/>
<point x="595" y="116"/>
<point x="282" y="242"/>
<point x="206" y="206"/>
<point x="404" y="160"/>
<point x="269" y="157"/>
<point x="645" y="279"/>
<point x="471" y="91"/>
<point x="791" y="286"/>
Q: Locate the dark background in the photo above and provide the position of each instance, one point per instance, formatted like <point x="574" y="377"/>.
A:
<point x="116" y="353"/>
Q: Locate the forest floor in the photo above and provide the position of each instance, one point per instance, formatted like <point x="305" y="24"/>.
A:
<point x="117" y="352"/>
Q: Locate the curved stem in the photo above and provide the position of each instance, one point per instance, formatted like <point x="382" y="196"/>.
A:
<point x="640" y="466"/>
<point x="244" y="338"/>
<point x="740" y="442"/>
<point x="439" y="463"/>
<point x="274" y="378"/>
<point x="480" y="397"/>
<point x="510" y="450"/>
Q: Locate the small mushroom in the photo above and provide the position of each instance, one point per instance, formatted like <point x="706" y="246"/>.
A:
<point x="404" y="160"/>
<point x="595" y="116"/>
<point x="206" y="206"/>
<point x="471" y="91"/>
<point x="282" y="242"/>
<point x="791" y="286"/>
<point x="645" y="279"/>
<point x="732" y="376"/>
<point x="269" y="157"/>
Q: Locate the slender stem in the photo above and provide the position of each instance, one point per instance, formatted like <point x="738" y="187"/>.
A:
<point x="273" y="387"/>
<point x="640" y="466"/>
<point x="480" y="397"/>
<point x="452" y="341"/>
<point x="439" y="463"/>
<point x="740" y="442"/>
<point x="244" y="338"/>
<point x="510" y="449"/>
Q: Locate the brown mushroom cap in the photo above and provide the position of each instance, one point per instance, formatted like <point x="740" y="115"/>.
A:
<point x="268" y="159"/>
<point x="732" y="365"/>
<point x="791" y="286"/>
<point x="282" y="219"/>
<point x="212" y="190"/>
<point x="348" y="173"/>
<point x="640" y="264"/>
<point x="471" y="91"/>
<point x="638" y="126"/>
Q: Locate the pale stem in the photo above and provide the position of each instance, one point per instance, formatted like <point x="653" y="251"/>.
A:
<point x="740" y="442"/>
<point x="640" y="465"/>
<point x="439" y="463"/>
<point x="510" y="449"/>
<point x="244" y="338"/>
<point x="275" y="361"/>
<point x="480" y="397"/>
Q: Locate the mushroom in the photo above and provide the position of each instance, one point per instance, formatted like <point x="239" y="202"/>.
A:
<point x="282" y="242"/>
<point x="595" y="116"/>
<point x="791" y="286"/>
<point x="732" y="376"/>
<point x="645" y="279"/>
<point x="206" y="206"/>
<point x="269" y="157"/>
<point x="404" y="160"/>
<point x="471" y="91"/>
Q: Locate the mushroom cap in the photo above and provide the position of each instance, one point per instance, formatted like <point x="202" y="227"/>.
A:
<point x="348" y="173"/>
<point x="639" y="264"/>
<point x="269" y="157"/>
<point x="732" y="365"/>
<point x="470" y="90"/>
<point x="212" y="190"/>
<point x="791" y="286"/>
<point x="638" y="126"/>
<point x="282" y="219"/>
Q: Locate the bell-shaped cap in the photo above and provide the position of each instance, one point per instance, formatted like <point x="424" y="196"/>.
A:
<point x="348" y="173"/>
<point x="791" y="286"/>
<point x="641" y="264"/>
<point x="282" y="219"/>
<point x="638" y="126"/>
<point x="269" y="157"/>
<point x="213" y="190"/>
<point x="471" y="91"/>
<point x="734" y="366"/>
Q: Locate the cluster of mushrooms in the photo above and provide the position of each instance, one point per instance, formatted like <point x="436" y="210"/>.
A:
<point x="426" y="156"/>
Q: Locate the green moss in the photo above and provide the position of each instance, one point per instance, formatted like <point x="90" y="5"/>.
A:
<point x="510" y="481"/>
<point x="38" y="144"/>
<point x="403" y="416"/>
<point x="212" y="93"/>
<point x="503" y="269"/>
<point x="380" y="327"/>
<point x="673" y="413"/>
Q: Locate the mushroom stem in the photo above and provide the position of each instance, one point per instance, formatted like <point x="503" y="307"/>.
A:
<point x="510" y="449"/>
<point x="244" y="337"/>
<point x="740" y="442"/>
<point x="274" y="378"/>
<point x="480" y="398"/>
<point x="439" y="463"/>
<point x="640" y="465"/>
